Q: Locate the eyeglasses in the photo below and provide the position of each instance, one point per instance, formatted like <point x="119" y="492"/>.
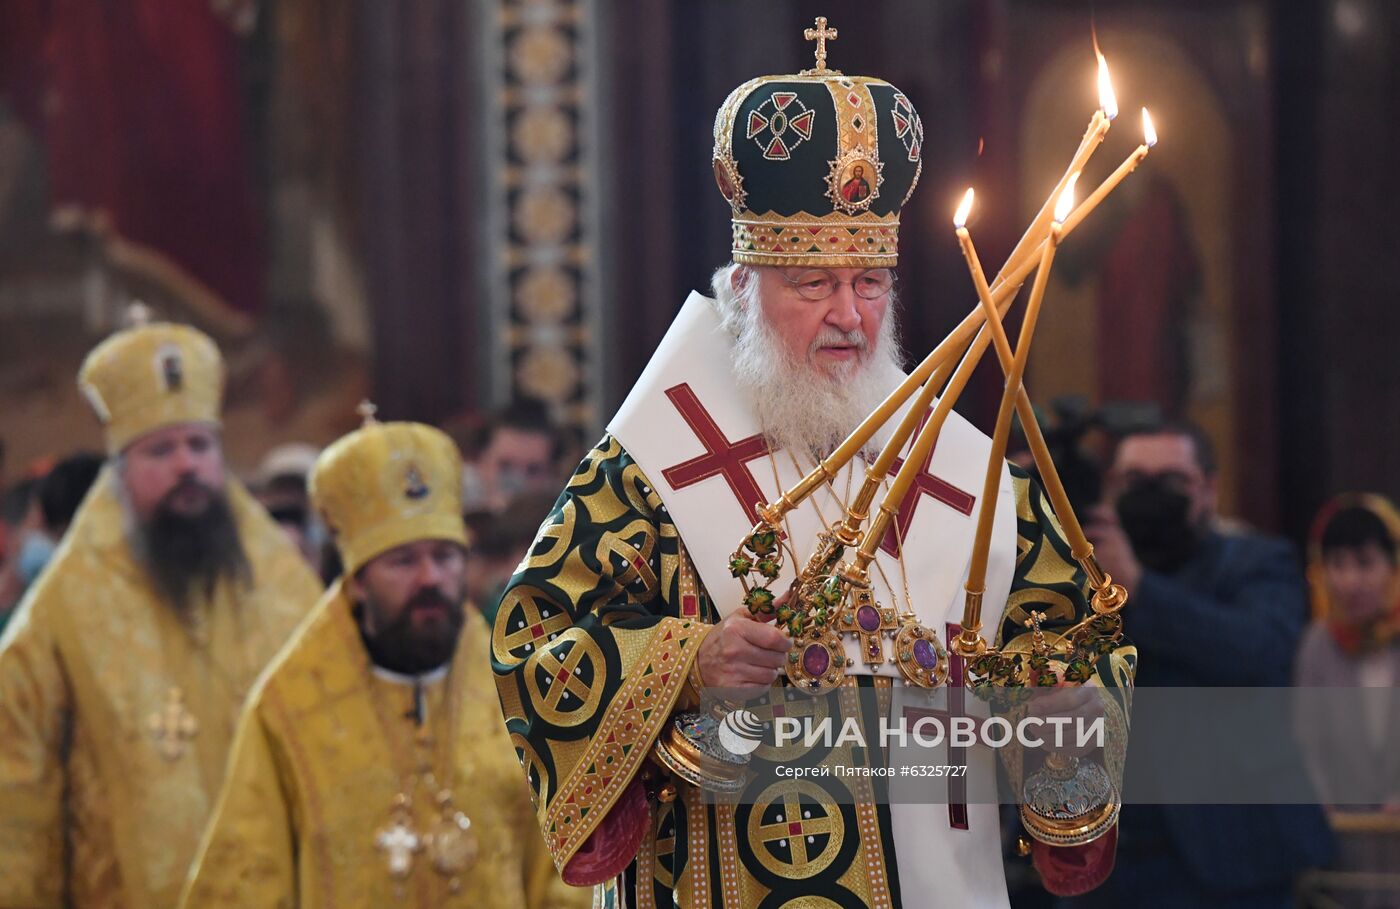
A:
<point x="818" y="284"/>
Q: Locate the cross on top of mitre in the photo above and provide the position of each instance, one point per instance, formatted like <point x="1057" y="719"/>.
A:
<point x="821" y="34"/>
<point x="137" y="315"/>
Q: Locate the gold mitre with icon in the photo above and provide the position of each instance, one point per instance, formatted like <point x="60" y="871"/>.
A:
<point x="152" y="375"/>
<point x="388" y="484"/>
<point x="817" y="165"/>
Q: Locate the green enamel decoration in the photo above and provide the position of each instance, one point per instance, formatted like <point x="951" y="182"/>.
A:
<point x="759" y="600"/>
<point x="763" y="543"/>
<point x="1079" y="671"/>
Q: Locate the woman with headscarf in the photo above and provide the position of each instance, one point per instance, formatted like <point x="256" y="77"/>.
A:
<point x="1352" y="741"/>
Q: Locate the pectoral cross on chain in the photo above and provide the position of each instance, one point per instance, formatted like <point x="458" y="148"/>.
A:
<point x="398" y="840"/>
<point x="399" y="843"/>
<point x="173" y="726"/>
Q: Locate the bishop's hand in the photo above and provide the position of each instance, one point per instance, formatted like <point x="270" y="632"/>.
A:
<point x="743" y="651"/>
<point x="1074" y="706"/>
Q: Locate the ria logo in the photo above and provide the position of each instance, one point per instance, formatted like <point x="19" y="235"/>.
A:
<point x="741" y="732"/>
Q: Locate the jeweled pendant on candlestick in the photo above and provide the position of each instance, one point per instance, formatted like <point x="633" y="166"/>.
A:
<point x="817" y="661"/>
<point x="920" y="655"/>
<point x="870" y="623"/>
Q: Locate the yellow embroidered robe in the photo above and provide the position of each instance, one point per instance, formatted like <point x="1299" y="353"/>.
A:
<point x="314" y="775"/>
<point x="105" y="785"/>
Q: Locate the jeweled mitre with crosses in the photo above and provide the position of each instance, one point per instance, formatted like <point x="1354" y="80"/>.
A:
<point x="816" y="167"/>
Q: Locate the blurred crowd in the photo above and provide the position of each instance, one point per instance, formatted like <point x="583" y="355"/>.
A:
<point x="1214" y="602"/>
<point x="516" y="460"/>
<point x="1147" y="491"/>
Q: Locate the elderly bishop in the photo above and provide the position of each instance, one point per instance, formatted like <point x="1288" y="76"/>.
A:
<point x="626" y="604"/>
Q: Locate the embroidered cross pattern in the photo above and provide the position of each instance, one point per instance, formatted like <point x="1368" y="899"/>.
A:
<point x="535" y="626"/>
<point x="722" y="458"/>
<point x="780" y="124"/>
<point x="908" y="128"/>
<point x="957" y="706"/>
<point x="925" y="484"/>
<point x="798" y="827"/>
<point x="562" y="677"/>
<point x="173" y="726"/>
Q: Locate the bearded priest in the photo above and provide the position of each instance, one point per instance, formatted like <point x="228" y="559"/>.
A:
<point x="626" y="606"/>
<point x="126" y="665"/>
<point x="371" y="767"/>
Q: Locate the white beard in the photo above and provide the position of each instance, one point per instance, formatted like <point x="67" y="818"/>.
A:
<point x="800" y="406"/>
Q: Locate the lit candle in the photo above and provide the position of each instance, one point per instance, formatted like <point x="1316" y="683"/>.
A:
<point x="1108" y="100"/>
<point x="858" y="509"/>
<point x="1149" y="139"/>
<point x="979" y="281"/>
<point x="977" y="569"/>
<point x="1020" y="272"/>
<point x="1035" y="439"/>
<point x="923" y="445"/>
<point x="1098" y="128"/>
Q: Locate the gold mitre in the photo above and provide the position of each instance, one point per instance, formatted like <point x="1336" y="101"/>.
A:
<point x="152" y="375"/>
<point x="387" y="484"/>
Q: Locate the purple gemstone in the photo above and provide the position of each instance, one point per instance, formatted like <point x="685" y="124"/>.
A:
<point x="924" y="654"/>
<point x="816" y="660"/>
<point x="868" y="618"/>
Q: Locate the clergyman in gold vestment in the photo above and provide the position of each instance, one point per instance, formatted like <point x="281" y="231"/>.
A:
<point x="123" y="671"/>
<point x="372" y="766"/>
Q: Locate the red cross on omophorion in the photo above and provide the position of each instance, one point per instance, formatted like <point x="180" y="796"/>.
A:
<point x="925" y="483"/>
<point x="957" y="757"/>
<point x="721" y="457"/>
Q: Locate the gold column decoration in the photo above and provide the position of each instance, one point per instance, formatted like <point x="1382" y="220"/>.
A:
<point x="540" y="167"/>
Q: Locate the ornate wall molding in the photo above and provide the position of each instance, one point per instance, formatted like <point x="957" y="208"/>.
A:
<point x="543" y="231"/>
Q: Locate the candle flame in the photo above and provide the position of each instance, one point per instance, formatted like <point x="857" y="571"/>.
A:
<point x="960" y="216"/>
<point x="1108" y="101"/>
<point x="1149" y="133"/>
<point x="1065" y="203"/>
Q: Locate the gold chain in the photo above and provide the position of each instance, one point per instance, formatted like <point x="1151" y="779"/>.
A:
<point x="785" y="537"/>
<point x="899" y="541"/>
<point x="424" y="770"/>
<point x="195" y="628"/>
<point x="845" y="506"/>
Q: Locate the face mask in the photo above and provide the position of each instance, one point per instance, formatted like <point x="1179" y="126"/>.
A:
<point x="1157" y="520"/>
<point x="511" y="482"/>
<point x="34" y="554"/>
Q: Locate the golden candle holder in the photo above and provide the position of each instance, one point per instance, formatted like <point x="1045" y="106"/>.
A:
<point x="693" y="750"/>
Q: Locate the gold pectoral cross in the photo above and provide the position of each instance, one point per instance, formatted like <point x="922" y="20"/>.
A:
<point x="173" y="726"/>
<point x="871" y="622"/>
